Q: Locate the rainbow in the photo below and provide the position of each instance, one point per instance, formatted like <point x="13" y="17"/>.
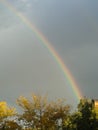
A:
<point x="47" y="44"/>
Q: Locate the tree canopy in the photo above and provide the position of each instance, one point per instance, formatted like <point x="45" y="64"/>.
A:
<point x="39" y="113"/>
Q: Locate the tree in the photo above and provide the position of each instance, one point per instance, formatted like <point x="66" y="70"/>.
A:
<point x="86" y="117"/>
<point x="11" y="125"/>
<point x="69" y="123"/>
<point x="5" y="113"/>
<point x="41" y="114"/>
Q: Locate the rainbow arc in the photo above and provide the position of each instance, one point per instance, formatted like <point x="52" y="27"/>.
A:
<point x="67" y="74"/>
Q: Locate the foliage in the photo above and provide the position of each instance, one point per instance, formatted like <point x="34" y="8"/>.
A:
<point x="38" y="113"/>
<point x="96" y="110"/>
<point x="10" y="125"/>
<point x="84" y="118"/>
<point x="41" y="114"/>
<point x="6" y="113"/>
<point x="88" y="120"/>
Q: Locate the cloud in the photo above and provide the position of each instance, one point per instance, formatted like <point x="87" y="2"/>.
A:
<point x="7" y="18"/>
<point x="24" y="1"/>
<point x="26" y="66"/>
<point x="27" y="3"/>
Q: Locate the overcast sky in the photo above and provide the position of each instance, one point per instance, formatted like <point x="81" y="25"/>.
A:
<point x="26" y="66"/>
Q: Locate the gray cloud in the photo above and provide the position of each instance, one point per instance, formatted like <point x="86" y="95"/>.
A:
<point x="7" y="18"/>
<point x="27" y="66"/>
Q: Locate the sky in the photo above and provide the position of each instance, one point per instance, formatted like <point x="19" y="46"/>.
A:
<point x="26" y="66"/>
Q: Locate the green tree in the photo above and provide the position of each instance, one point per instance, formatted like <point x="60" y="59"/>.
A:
<point x="86" y="117"/>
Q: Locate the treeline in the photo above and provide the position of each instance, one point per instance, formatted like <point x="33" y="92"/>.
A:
<point x="38" y="113"/>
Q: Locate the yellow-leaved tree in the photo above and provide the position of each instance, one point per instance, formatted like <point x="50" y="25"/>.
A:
<point x="41" y="114"/>
<point x="5" y="113"/>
